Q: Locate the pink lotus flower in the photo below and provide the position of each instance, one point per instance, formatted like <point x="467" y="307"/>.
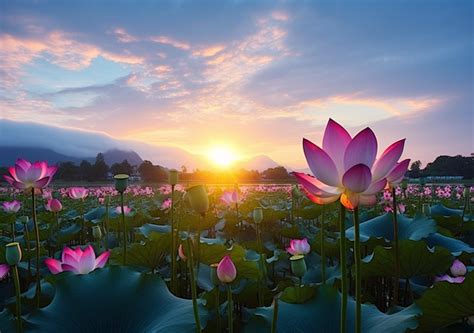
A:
<point x="230" y="197"/>
<point x="77" y="261"/>
<point x="53" y="205"/>
<point x="458" y="268"/>
<point x="447" y="278"/>
<point x="11" y="207"/>
<point x="4" y="269"/>
<point x="226" y="271"/>
<point x="25" y="175"/>
<point x="298" y="247"/>
<point x="127" y="210"/>
<point x="78" y="193"/>
<point x="346" y="168"/>
<point x="166" y="204"/>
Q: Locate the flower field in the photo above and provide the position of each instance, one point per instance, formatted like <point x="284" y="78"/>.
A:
<point x="352" y="247"/>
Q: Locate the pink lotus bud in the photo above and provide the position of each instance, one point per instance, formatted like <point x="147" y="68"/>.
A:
<point x="226" y="271"/>
<point x="54" y="205"/>
<point x="458" y="268"/>
<point x="78" y="193"/>
<point x="11" y="207"/>
<point x="181" y="254"/>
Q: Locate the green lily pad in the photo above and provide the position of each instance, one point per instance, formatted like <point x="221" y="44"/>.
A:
<point x="441" y="210"/>
<point x="114" y="299"/>
<point x="415" y="228"/>
<point x="456" y="246"/>
<point x="148" y="228"/>
<point x="416" y="259"/>
<point x="446" y="303"/>
<point x="321" y="314"/>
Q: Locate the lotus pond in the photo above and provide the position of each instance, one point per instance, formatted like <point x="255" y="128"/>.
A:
<point x="367" y="255"/>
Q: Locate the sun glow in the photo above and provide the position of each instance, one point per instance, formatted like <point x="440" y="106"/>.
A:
<point x="222" y="156"/>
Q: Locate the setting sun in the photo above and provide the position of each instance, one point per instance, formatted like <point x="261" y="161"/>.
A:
<point x="222" y="156"/>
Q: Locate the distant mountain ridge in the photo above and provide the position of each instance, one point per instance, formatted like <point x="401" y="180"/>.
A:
<point x="8" y="156"/>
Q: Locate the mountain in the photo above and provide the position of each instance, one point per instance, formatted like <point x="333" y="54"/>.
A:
<point x="260" y="163"/>
<point x="8" y="155"/>
<point x="116" y="156"/>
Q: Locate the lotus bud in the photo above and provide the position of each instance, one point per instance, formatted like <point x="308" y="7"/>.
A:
<point x="198" y="198"/>
<point x="258" y="215"/>
<point x="24" y="219"/>
<point x="181" y="254"/>
<point x="458" y="268"/>
<point x="214" y="278"/>
<point x="13" y="253"/>
<point x="121" y="182"/>
<point x="226" y="271"/>
<point x="298" y="265"/>
<point x="426" y="209"/>
<point x="96" y="232"/>
<point x="173" y="177"/>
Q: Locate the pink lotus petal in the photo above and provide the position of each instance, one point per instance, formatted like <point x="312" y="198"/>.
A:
<point x="367" y="200"/>
<point x="357" y="179"/>
<point x="19" y="185"/>
<point x="321" y="165"/>
<point x="42" y="182"/>
<point x="35" y="171"/>
<point x="23" y="163"/>
<point x="298" y="247"/>
<point x="315" y="187"/>
<point x="4" y="269"/>
<point x="79" y="252"/>
<point x="335" y="141"/>
<point x="21" y="175"/>
<point x="9" y="179"/>
<point x="12" y="172"/>
<point x="102" y="259"/>
<point x="361" y="150"/>
<point x="54" y="265"/>
<point x="70" y="268"/>
<point x="350" y="200"/>
<point x="320" y="200"/>
<point x="396" y="175"/>
<point x="376" y="187"/>
<point x="447" y="278"/>
<point x="87" y="261"/>
<point x="388" y="160"/>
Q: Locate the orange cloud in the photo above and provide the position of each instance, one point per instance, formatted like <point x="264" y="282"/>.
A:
<point x="170" y="41"/>
<point x="209" y="51"/>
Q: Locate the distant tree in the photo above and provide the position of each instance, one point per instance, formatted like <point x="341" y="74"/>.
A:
<point x="451" y="166"/>
<point x="276" y="173"/>
<point x="100" y="168"/>
<point x="123" y="167"/>
<point x="68" y="171"/>
<point x="415" y="169"/>
<point x="184" y="169"/>
<point x="152" y="173"/>
<point x="86" y="171"/>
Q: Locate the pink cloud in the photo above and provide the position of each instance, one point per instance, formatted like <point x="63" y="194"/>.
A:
<point x="170" y="41"/>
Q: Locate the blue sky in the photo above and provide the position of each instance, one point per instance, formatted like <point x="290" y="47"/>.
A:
<point x="253" y="76"/>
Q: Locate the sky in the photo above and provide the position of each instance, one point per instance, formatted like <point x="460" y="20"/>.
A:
<point x="253" y="76"/>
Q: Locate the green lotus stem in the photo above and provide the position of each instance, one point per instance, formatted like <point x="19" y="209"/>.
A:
<point x="27" y="235"/>
<point x="193" y="286"/>
<point x="230" y="308"/>
<point x="106" y="223"/>
<point x="16" y="279"/>
<point x="275" y="315"/>
<point x="198" y="239"/>
<point x="397" y="248"/>
<point x="298" y="289"/>
<point x="82" y="238"/>
<point x="13" y="229"/>
<point x="238" y="219"/>
<point x="261" y="281"/>
<point x="466" y="204"/>
<point x="218" y="316"/>
<point x="173" y="245"/>
<point x="124" y="231"/>
<point x="323" y="254"/>
<point x="342" y="263"/>
<point x="357" y="258"/>
<point x="37" y="238"/>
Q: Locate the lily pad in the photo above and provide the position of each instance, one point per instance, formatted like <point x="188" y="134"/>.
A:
<point x="114" y="299"/>
<point x="456" y="246"/>
<point x="446" y="303"/>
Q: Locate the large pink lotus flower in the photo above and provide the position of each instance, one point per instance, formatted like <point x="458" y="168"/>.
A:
<point x="226" y="271"/>
<point x="78" y="193"/>
<point x="4" y="269"/>
<point x="458" y="268"/>
<point x="11" y="207"/>
<point x="77" y="261"/>
<point x="298" y="247"/>
<point x="126" y="210"/>
<point x="346" y="168"/>
<point x="25" y="175"/>
<point x="230" y="197"/>
<point x="53" y="205"/>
